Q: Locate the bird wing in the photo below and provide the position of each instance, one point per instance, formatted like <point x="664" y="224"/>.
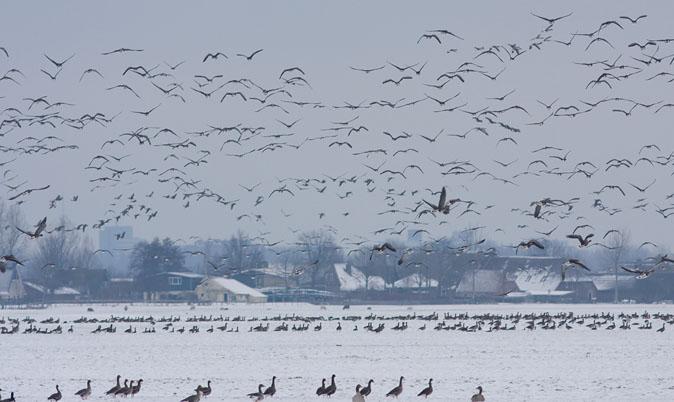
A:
<point x="575" y="236"/>
<point x="537" y="244"/>
<point x="12" y="258"/>
<point x="431" y="205"/>
<point x="443" y="198"/>
<point x="580" y="264"/>
<point x="23" y="231"/>
<point x="41" y="226"/>
<point x="634" y="271"/>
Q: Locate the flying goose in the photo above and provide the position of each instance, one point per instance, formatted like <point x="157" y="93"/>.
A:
<point x="572" y="261"/>
<point x="641" y="274"/>
<point x="443" y="205"/>
<point x="38" y="232"/>
<point x="381" y="249"/>
<point x="85" y="392"/>
<point x="397" y="390"/>
<point x="8" y="258"/>
<point x="528" y="244"/>
<point x="584" y="242"/>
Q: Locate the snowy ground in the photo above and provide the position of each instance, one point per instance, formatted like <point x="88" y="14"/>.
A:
<point x="521" y="365"/>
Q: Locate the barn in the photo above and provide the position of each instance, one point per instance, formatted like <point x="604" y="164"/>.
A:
<point x="227" y="290"/>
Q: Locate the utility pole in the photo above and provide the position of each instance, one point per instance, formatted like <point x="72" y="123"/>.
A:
<point x="615" y="296"/>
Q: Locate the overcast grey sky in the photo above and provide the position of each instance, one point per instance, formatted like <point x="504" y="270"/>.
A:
<point x="325" y="40"/>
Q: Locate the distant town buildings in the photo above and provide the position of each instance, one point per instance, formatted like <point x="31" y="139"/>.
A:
<point x="467" y="278"/>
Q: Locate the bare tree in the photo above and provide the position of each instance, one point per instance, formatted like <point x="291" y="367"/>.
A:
<point x="60" y="250"/>
<point x="318" y="252"/>
<point x="617" y="250"/>
<point x="241" y="254"/>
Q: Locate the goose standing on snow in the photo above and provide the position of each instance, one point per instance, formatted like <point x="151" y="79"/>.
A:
<point x="332" y="388"/>
<point x="115" y="388"/>
<point x="477" y="397"/>
<point x="85" y="392"/>
<point x="123" y="389"/>
<point x="272" y="388"/>
<point x="259" y="395"/>
<point x="365" y="391"/>
<point x="359" y="396"/>
<point x="55" y="396"/>
<point x="397" y="390"/>
<point x="10" y="399"/>
<point x="193" y="398"/>
<point x="136" y="389"/>
<point x="321" y="390"/>
<point x="206" y="391"/>
<point x="428" y="390"/>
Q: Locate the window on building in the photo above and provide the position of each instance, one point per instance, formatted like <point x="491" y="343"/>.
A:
<point x="175" y="280"/>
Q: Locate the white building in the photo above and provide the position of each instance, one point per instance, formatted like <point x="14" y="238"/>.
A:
<point x="227" y="290"/>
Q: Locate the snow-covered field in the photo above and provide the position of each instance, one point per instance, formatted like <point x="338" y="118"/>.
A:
<point x="520" y="365"/>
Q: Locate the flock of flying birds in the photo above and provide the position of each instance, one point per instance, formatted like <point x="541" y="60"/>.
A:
<point x="140" y="165"/>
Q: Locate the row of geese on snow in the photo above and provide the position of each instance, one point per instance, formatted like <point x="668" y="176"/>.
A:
<point x="131" y="388"/>
<point x="458" y="322"/>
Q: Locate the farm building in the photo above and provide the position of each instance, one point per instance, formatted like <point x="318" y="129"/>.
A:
<point x="227" y="290"/>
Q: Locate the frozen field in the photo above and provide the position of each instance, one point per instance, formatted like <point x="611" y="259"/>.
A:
<point x="519" y="365"/>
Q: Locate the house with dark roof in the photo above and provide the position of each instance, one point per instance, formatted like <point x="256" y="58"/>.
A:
<point x="171" y="286"/>
<point x="39" y="293"/>
<point x="519" y="278"/>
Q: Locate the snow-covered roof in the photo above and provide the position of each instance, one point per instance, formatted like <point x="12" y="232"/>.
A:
<point x="63" y="290"/>
<point x="121" y="279"/>
<point x="486" y="281"/>
<point x="356" y="279"/>
<point x="185" y="274"/>
<point x="608" y="281"/>
<point x="236" y="287"/>
<point x="550" y="293"/>
<point x="274" y="269"/>
<point x="415" y="280"/>
<point x="537" y="280"/>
